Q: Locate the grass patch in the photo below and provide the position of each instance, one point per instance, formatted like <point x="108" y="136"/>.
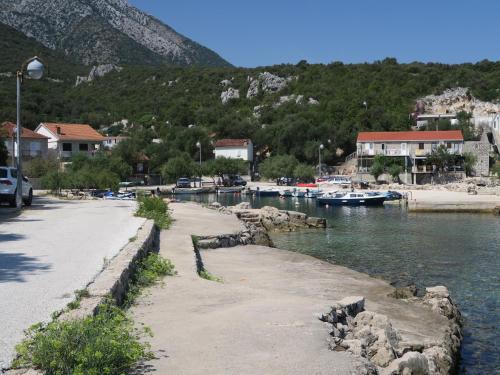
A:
<point x="204" y="274"/>
<point x="149" y="271"/>
<point x="79" y="294"/>
<point x="156" y="209"/>
<point x="106" y="343"/>
<point x="132" y="239"/>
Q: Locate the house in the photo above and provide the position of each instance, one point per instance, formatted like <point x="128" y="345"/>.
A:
<point x="33" y="145"/>
<point x="412" y="147"/>
<point x="234" y="149"/>
<point x="67" y="140"/>
<point x="111" y="142"/>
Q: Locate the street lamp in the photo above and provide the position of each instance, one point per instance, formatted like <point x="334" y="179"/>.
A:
<point x="321" y="147"/>
<point x="34" y="68"/>
<point x="366" y="105"/>
<point x="198" y="144"/>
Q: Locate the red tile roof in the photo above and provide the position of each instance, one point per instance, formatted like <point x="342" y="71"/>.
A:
<point x="9" y="130"/>
<point x="440" y="135"/>
<point x="74" y="132"/>
<point x="232" y="142"/>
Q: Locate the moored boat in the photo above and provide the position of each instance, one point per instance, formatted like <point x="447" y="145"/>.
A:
<point x="265" y="192"/>
<point x="229" y="189"/>
<point x="352" y="198"/>
<point x="189" y="190"/>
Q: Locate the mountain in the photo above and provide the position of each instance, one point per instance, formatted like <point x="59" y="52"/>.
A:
<point x="104" y="32"/>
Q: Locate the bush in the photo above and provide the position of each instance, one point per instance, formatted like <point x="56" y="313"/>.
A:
<point x="149" y="271"/>
<point x="103" y="344"/>
<point x="278" y="166"/>
<point x="395" y="170"/>
<point x="154" y="208"/>
<point x="304" y="172"/>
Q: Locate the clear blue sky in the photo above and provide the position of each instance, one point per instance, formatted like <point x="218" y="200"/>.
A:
<point x="265" y="32"/>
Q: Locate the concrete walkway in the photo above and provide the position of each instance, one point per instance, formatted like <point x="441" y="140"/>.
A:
<point x="263" y="318"/>
<point x="49" y="251"/>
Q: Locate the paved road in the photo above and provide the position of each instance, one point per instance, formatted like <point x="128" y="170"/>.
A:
<point x="49" y="251"/>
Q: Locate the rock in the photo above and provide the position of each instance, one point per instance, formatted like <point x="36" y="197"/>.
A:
<point x="438" y="298"/>
<point x="438" y="360"/>
<point x="353" y="305"/>
<point x="312" y="101"/>
<point x="243" y="206"/>
<point x="230" y="94"/>
<point x="405" y="292"/>
<point x="226" y="82"/>
<point x="316" y="222"/>
<point x="96" y="72"/>
<point x="253" y="90"/>
<point x="215" y="205"/>
<point x="496" y="210"/>
<point x="412" y="363"/>
<point x="272" y="83"/>
<point x="383" y="357"/>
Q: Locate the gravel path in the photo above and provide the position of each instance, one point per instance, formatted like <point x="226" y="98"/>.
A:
<point x="48" y="252"/>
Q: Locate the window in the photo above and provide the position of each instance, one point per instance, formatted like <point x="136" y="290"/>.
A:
<point x="448" y="145"/>
<point x="13" y="173"/>
<point x="83" y="147"/>
<point x="383" y="146"/>
<point x="421" y="146"/>
<point x="140" y="167"/>
<point x="67" y="147"/>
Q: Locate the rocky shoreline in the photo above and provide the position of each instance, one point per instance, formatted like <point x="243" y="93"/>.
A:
<point x="370" y="337"/>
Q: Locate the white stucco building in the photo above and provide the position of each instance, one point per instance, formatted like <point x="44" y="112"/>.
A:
<point x="69" y="139"/>
<point x="234" y="149"/>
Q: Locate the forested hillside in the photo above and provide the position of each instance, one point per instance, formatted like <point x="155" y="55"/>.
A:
<point x="317" y="103"/>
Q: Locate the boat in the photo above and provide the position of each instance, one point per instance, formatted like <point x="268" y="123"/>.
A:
<point x="286" y="193"/>
<point x="229" y="189"/>
<point x="299" y="193"/>
<point x="303" y="185"/>
<point x="313" y="193"/>
<point x="352" y="198"/>
<point x="266" y="192"/>
<point x="182" y="191"/>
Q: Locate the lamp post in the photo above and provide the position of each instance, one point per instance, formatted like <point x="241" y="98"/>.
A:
<point x="321" y="147"/>
<point x="365" y="105"/>
<point x="34" y="68"/>
<point x="198" y="144"/>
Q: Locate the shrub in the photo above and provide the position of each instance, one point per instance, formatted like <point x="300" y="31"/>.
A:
<point x="154" y="208"/>
<point x="395" y="170"/>
<point x="149" y="271"/>
<point x="103" y="344"/>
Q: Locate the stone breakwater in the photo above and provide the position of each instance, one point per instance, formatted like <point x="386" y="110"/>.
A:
<point x="378" y="345"/>
<point x="258" y="224"/>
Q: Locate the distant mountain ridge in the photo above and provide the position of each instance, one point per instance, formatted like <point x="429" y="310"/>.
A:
<point x="104" y="31"/>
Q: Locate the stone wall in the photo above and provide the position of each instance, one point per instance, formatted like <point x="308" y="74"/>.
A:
<point x="377" y="344"/>
<point x="481" y="149"/>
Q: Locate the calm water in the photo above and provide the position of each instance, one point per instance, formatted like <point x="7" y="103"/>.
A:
<point x="460" y="251"/>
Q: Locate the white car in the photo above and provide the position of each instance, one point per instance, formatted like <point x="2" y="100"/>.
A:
<point x="8" y="187"/>
<point x="339" y="180"/>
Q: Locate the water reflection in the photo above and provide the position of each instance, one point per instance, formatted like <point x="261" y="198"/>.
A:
<point x="460" y="251"/>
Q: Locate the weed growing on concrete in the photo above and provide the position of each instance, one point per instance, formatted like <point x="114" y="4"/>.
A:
<point x="150" y="270"/>
<point x="103" y="344"/>
<point x="132" y="239"/>
<point x="156" y="209"/>
<point x="204" y="274"/>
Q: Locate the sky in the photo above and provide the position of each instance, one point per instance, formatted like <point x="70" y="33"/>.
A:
<point x="251" y="33"/>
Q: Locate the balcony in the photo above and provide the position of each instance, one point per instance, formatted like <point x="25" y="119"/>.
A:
<point x="387" y="152"/>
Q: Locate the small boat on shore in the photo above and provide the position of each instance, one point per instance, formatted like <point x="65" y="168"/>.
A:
<point x="229" y="189"/>
<point x="314" y="193"/>
<point x="265" y="192"/>
<point x="286" y="193"/>
<point x="352" y="198"/>
<point x="182" y="191"/>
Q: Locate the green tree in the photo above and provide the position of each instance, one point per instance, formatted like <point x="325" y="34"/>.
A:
<point x="495" y="170"/>
<point x="224" y="166"/>
<point x="278" y="166"/>
<point x="469" y="161"/>
<point x="179" y="166"/>
<point x="395" y="170"/>
<point x="377" y="170"/>
<point x="440" y="157"/>
<point x="304" y="172"/>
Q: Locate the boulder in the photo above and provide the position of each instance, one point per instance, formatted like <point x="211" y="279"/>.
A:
<point x="243" y="206"/>
<point x="229" y="94"/>
<point x="412" y="363"/>
<point x="272" y="83"/>
<point x="405" y="292"/>
<point x="316" y="222"/>
<point x="253" y="90"/>
<point x="438" y="298"/>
